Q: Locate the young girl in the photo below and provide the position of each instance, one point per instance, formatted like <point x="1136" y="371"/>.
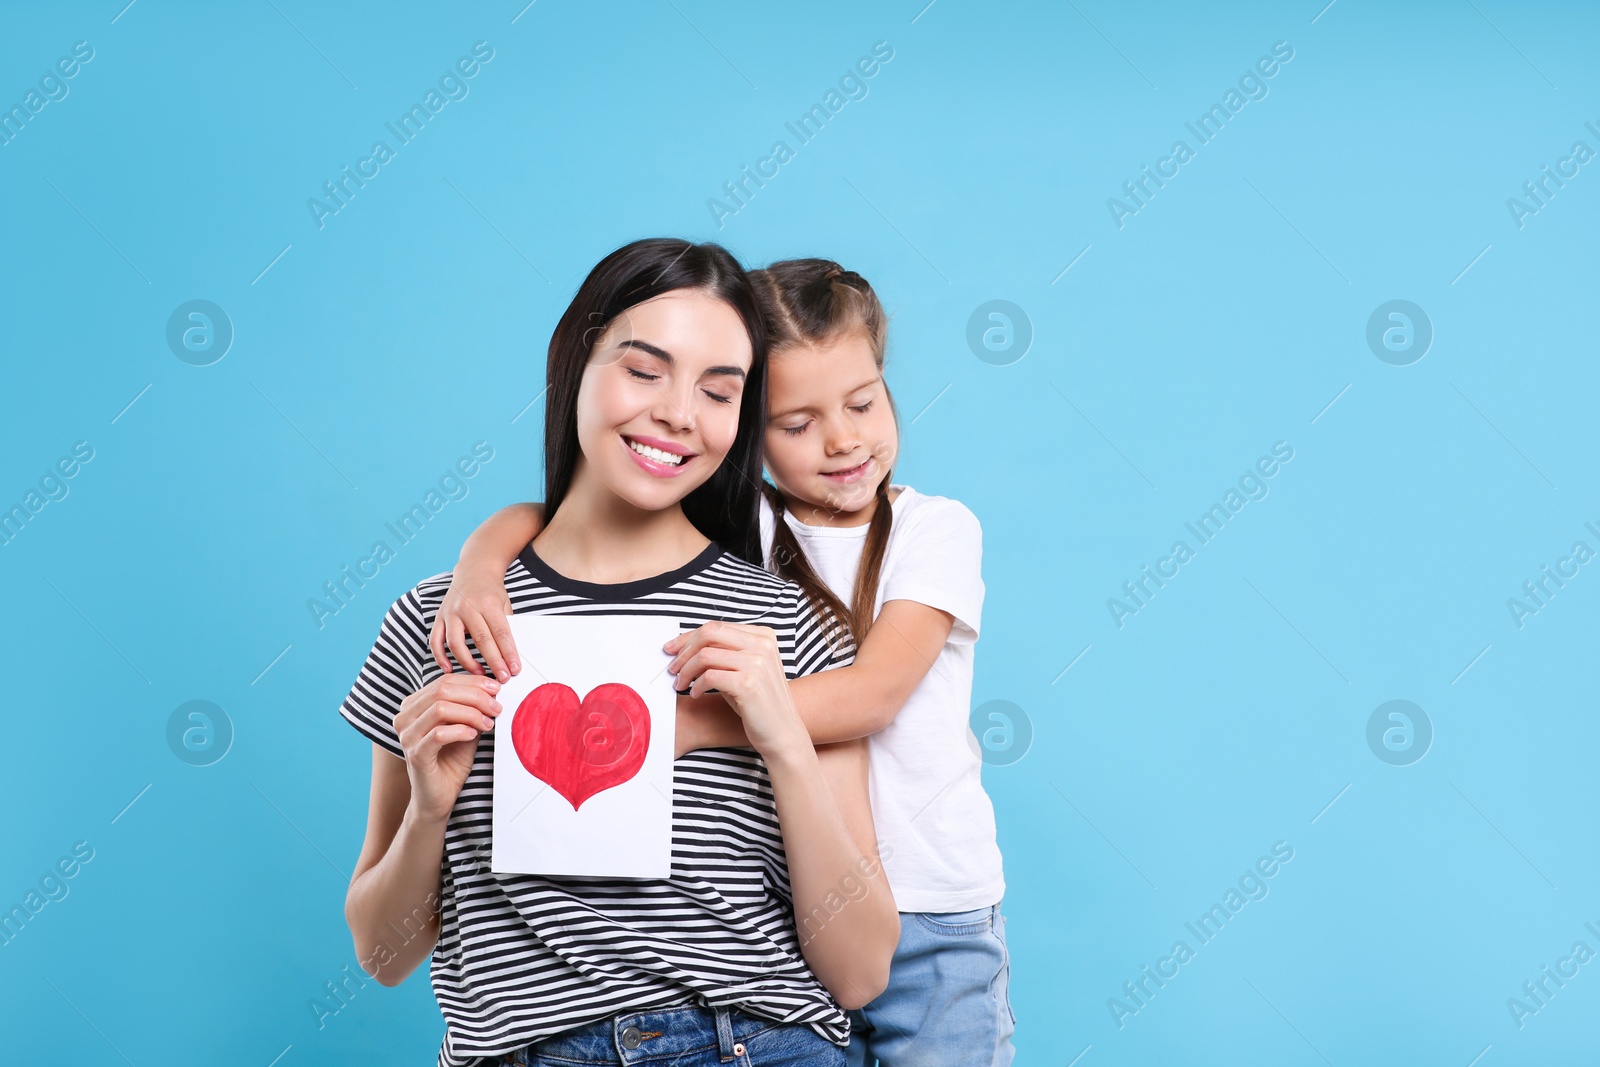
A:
<point x="901" y="571"/>
<point x="652" y="455"/>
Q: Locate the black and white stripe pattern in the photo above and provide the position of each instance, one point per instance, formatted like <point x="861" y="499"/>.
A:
<point x="522" y="957"/>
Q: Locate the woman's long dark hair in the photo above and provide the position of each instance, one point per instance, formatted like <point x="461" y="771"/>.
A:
<point x="724" y="507"/>
<point x="808" y="302"/>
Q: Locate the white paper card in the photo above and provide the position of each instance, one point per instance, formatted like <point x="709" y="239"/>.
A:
<point x="579" y="789"/>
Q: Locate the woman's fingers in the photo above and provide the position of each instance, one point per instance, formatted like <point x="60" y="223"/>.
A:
<point x="458" y="689"/>
<point x="461" y="689"/>
<point x="447" y="733"/>
<point x="739" y="675"/>
<point x="719" y="634"/>
<point x="707" y="658"/>
<point x="441" y="737"/>
<point x="715" y="632"/>
<point x="723" y="681"/>
<point x="477" y="711"/>
<point x="446" y="711"/>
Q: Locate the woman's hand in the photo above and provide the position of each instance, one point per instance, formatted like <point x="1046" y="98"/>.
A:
<point x="439" y="726"/>
<point x="741" y="662"/>
<point x="476" y="603"/>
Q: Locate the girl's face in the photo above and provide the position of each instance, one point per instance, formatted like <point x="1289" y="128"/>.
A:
<point x="658" y="406"/>
<point x="831" y="434"/>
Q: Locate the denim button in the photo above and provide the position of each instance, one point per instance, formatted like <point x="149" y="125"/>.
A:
<point x="631" y="1039"/>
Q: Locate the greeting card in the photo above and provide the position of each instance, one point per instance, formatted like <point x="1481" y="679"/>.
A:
<point x="583" y="750"/>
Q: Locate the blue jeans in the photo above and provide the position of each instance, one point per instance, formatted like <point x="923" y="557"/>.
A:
<point x="948" y="1003"/>
<point x="683" y="1037"/>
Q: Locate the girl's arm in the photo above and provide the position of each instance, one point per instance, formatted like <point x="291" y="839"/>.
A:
<point x="392" y="906"/>
<point x="476" y="602"/>
<point x="837" y="705"/>
<point x="846" y="702"/>
<point x="843" y="908"/>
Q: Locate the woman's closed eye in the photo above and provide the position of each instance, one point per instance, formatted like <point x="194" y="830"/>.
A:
<point x="645" y="376"/>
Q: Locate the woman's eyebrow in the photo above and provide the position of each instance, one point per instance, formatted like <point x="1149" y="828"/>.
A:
<point x="645" y="346"/>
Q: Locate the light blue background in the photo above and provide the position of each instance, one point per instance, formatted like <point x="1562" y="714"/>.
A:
<point x="1223" y="317"/>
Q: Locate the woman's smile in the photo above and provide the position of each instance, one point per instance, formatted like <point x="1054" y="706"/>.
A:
<point x="656" y="457"/>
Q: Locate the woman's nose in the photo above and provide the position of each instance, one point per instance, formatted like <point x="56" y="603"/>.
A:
<point x="674" y="410"/>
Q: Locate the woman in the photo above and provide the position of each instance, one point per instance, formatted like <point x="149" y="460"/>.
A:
<point x="777" y="916"/>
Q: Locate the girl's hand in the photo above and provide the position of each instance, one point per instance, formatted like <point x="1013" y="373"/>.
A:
<point x="439" y="726"/>
<point x="741" y="662"/>
<point x="476" y="603"/>
<point x="707" y="722"/>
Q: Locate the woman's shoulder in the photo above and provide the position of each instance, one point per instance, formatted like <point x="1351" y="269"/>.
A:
<point x="419" y="604"/>
<point x="423" y="599"/>
<point x="747" y="579"/>
<point x="756" y="595"/>
<point x="427" y="595"/>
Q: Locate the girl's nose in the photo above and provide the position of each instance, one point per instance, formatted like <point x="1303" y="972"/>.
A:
<point x="841" y="440"/>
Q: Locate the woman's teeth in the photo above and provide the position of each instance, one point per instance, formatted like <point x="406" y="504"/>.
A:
<point x="671" y="459"/>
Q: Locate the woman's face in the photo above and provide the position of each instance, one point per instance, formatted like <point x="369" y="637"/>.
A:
<point x="658" y="406"/>
<point x="831" y="435"/>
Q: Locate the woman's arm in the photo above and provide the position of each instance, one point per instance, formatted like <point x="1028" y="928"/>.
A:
<point x="396" y="879"/>
<point x="844" y="768"/>
<point x="844" y="911"/>
<point x="846" y="702"/>
<point x="849" y="926"/>
<point x="392" y="905"/>
<point x="476" y="602"/>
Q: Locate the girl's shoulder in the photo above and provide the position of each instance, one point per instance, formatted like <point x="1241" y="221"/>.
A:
<point x="913" y="509"/>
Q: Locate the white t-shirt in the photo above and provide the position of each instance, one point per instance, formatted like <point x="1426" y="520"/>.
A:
<point x="935" y="823"/>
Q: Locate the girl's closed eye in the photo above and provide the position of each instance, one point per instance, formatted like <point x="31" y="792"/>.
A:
<point x="795" y="431"/>
<point x="862" y="409"/>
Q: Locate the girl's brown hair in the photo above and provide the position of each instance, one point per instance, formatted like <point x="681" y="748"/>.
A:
<point x="809" y="302"/>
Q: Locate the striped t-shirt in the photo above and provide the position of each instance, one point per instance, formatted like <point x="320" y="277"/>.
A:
<point x="521" y="957"/>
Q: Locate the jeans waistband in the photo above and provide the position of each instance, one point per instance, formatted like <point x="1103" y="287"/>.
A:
<point x="645" y="1037"/>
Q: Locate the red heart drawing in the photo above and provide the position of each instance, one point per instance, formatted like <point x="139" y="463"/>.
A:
<point x="581" y="749"/>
